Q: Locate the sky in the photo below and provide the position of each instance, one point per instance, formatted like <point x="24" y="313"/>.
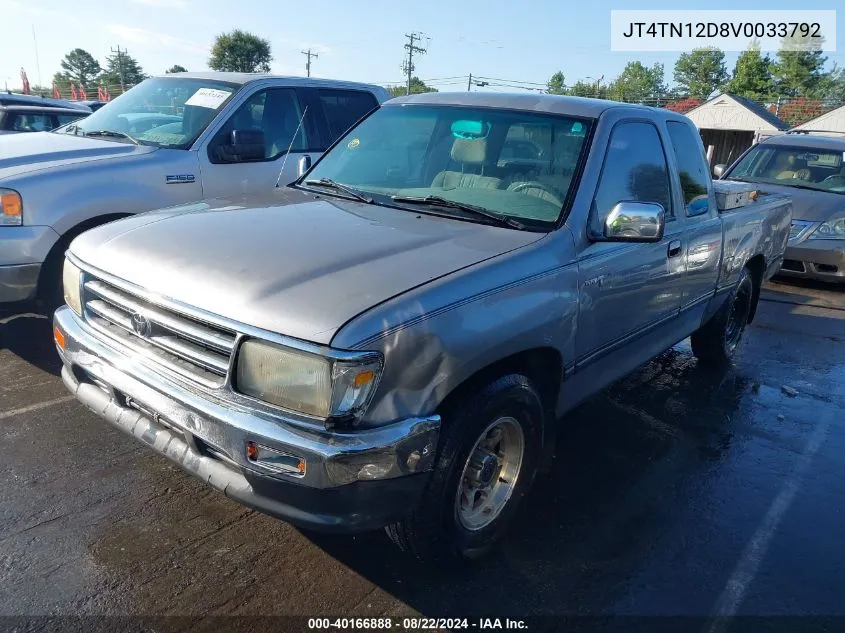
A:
<point x="361" y="41"/>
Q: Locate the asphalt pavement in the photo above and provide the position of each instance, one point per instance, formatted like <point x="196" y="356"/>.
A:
<point x="676" y="492"/>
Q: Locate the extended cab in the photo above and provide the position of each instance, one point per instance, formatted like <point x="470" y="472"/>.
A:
<point x="170" y="140"/>
<point x="391" y="340"/>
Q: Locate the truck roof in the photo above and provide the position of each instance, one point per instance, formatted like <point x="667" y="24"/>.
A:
<point x="245" y="78"/>
<point x="555" y="104"/>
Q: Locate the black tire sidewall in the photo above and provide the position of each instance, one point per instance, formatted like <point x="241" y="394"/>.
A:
<point x="744" y="280"/>
<point x="512" y="396"/>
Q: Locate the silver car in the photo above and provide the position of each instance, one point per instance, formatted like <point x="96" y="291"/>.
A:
<point x="811" y="170"/>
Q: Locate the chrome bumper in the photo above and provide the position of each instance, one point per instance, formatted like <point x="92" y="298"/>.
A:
<point x="204" y="435"/>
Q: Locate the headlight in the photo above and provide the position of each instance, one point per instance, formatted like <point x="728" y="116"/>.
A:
<point x="71" y="282"/>
<point x="830" y="230"/>
<point x="11" y="206"/>
<point x="308" y="383"/>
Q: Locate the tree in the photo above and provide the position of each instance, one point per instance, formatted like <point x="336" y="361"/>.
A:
<point x="240" y="51"/>
<point x="417" y="86"/>
<point x="176" y="68"/>
<point x="752" y="76"/>
<point x="131" y="70"/>
<point x="79" y="67"/>
<point x="701" y="71"/>
<point x="556" y="84"/>
<point x="583" y="88"/>
<point x="798" y="73"/>
<point x="800" y="110"/>
<point x="638" y="84"/>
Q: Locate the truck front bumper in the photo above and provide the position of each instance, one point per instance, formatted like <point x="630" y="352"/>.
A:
<point x="22" y="251"/>
<point x="352" y="482"/>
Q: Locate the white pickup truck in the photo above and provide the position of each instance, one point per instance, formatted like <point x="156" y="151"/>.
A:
<point x="170" y="140"/>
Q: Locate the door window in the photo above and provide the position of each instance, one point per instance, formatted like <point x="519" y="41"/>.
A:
<point x="692" y="165"/>
<point x="343" y="108"/>
<point x="34" y="122"/>
<point x="634" y="170"/>
<point x="274" y="112"/>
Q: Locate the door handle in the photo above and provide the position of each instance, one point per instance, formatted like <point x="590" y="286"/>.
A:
<point x="674" y="248"/>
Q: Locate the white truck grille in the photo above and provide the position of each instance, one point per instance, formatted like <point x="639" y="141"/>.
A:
<point x="201" y="351"/>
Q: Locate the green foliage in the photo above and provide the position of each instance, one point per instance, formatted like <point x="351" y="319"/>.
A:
<point x="79" y="67"/>
<point x="132" y="72"/>
<point x="240" y="51"/>
<point x="556" y="84"/>
<point x="417" y="86"/>
<point x="700" y="72"/>
<point x="583" y="88"/>
<point x="638" y="84"/>
<point x="752" y="76"/>
<point x="799" y="73"/>
<point x="176" y="68"/>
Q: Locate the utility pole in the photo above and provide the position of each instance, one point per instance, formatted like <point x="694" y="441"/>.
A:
<point x="471" y="83"/>
<point x="412" y="48"/>
<point x="120" y="67"/>
<point x="37" y="64"/>
<point x="308" y="54"/>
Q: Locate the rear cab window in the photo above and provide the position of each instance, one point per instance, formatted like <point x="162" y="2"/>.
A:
<point x="692" y="167"/>
<point x="342" y="108"/>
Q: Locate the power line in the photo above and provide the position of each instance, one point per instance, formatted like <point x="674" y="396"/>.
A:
<point x="308" y="54"/>
<point x="408" y="66"/>
<point x="120" y="66"/>
<point x="514" y="81"/>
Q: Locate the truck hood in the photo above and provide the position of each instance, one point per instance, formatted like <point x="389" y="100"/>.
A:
<point x="24" y="153"/>
<point x="808" y="205"/>
<point x="302" y="266"/>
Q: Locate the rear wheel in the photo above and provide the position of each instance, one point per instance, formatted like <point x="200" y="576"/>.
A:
<point x="717" y="340"/>
<point x="488" y="456"/>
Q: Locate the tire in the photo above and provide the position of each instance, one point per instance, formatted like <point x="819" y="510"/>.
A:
<point x="716" y="341"/>
<point x="443" y="524"/>
<point x="51" y="293"/>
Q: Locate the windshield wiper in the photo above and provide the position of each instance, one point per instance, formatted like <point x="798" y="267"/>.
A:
<point x="437" y="201"/>
<point x="111" y="133"/>
<point x="328" y="182"/>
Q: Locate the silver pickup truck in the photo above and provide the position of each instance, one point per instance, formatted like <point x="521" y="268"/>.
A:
<point x="169" y="140"/>
<point x="391" y="340"/>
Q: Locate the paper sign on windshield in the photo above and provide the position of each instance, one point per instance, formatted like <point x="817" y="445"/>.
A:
<point x="208" y="98"/>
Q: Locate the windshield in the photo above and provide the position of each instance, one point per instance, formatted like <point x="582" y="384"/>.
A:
<point x="810" y="168"/>
<point x="163" y="111"/>
<point x="518" y="165"/>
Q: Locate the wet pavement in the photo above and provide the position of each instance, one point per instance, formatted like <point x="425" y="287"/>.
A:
<point x="678" y="491"/>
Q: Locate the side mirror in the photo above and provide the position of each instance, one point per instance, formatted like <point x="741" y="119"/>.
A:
<point x="304" y="165"/>
<point x="244" y="145"/>
<point x="718" y="170"/>
<point x="635" y="222"/>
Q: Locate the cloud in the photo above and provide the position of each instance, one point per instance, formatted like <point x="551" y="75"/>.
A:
<point x="170" y="4"/>
<point x="159" y="40"/>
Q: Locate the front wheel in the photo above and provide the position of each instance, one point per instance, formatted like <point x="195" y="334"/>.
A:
<point x="489" y="452"/>
<point x="716" y="341"/>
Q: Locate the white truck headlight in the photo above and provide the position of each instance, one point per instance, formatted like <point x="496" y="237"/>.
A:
<point x="307" y="383"/>
<point x="831" y="230"/>
<point x="71" y="280"/>
<point x="11" y="208"/>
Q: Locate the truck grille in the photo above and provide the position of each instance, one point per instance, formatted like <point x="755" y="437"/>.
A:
<point x="195" y="349"/>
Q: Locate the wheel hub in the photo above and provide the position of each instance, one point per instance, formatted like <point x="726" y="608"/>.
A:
<point x="483" y="466"/>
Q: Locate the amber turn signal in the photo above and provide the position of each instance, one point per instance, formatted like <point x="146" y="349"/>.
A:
<point x="59" y="337"/>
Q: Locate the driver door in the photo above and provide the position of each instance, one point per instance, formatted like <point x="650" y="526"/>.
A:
<point x="278" y="114"/>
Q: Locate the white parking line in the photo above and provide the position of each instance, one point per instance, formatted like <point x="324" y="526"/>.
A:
<point x="27" y="315"/>
<point x="35" y="407"/>
<point x="742" y="577"/>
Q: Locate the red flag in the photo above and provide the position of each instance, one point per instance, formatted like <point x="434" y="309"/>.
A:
<point x="100" y="94"/>
<point x="73" y="94"/>
<point x="56" y="93"/>
<point x="82" y="94"/>
<point x="106" y="93"/>
<point x="25" y="82"/>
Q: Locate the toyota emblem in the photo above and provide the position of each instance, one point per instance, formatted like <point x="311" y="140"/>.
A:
<point x="140" y="324"/>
